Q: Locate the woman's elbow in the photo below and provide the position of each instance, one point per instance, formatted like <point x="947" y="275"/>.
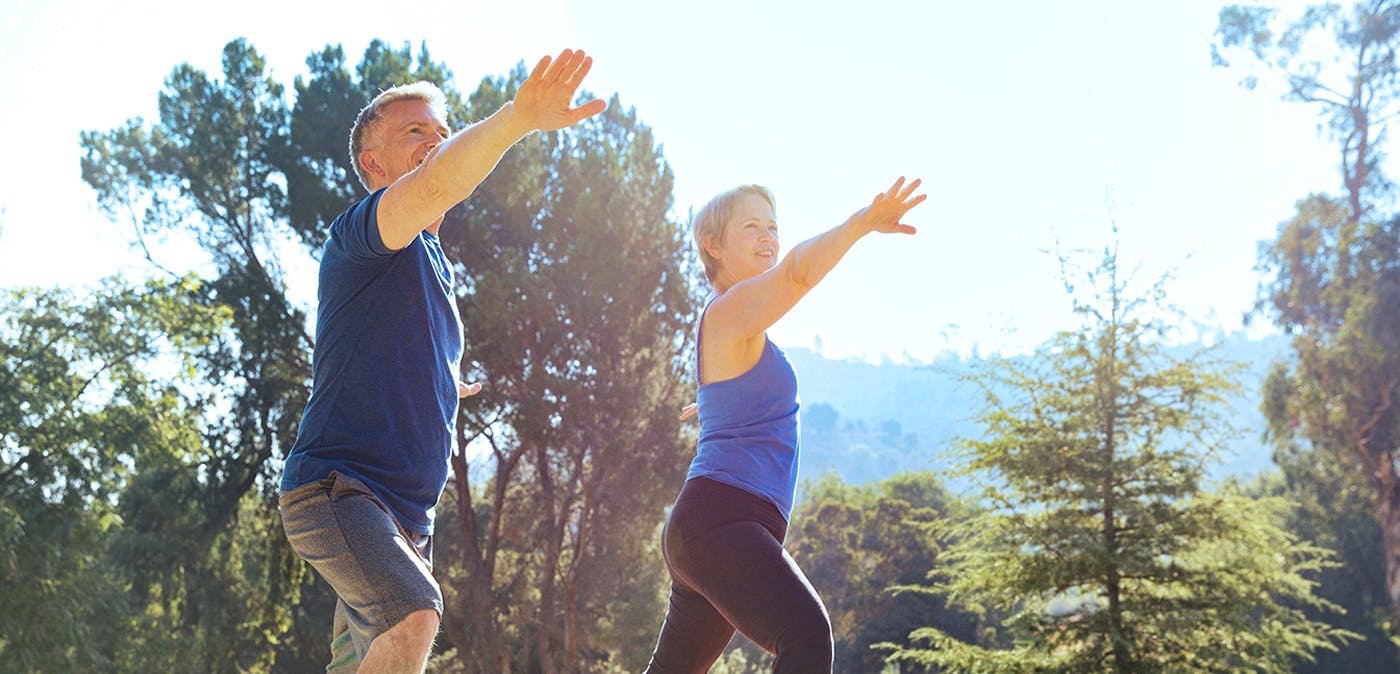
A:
<point x="800" y="275"/>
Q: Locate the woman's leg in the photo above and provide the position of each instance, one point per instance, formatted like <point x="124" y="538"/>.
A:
<point x="723" y="549"/>
<point x="745" y="575"/>
<point x="692" y="637"/>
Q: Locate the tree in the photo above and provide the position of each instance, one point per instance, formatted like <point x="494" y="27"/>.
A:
<point x="1320" y="514"/>
<point x="92" y="393"/>
<point x="1353" y="81"/>
<point x="229" y="165"/>
<point x="857" y="542"/>
<point x="571" y="233"/>
<point x="210" y="169"/>
<point x="821" y="418"/>
<point x="1099" y="542"/>
<point x="578" y="295"/>
<point x="1332" y="276"/>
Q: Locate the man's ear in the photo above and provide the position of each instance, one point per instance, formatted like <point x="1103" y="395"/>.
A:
<point x="370" y="164"/>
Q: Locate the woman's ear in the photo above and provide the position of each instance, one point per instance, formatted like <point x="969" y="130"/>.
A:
<point x="711" y="246"/>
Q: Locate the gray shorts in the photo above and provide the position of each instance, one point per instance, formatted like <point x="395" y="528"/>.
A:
<point x="380" y="572"/>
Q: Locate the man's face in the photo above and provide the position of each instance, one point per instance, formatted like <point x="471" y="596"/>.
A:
<point x="408" y="131"/>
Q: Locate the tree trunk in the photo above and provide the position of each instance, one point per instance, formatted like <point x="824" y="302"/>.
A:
<point x="1383" y="476"/>
<point x="1389" y="502"/>
<point x="1122" y="650"/>
<point x="553" y="541"/>
<point x="480" y="643"/>
<point x="571" y="582"/>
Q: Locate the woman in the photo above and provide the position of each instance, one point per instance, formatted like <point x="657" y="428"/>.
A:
<point x="723" y="541"/>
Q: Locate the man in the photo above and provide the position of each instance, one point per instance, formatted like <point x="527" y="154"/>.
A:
<point x="371" y="455"/>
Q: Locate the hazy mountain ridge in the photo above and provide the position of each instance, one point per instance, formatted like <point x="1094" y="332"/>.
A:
<point x="867" y="421"/>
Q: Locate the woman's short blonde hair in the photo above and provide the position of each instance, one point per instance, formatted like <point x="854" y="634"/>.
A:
<point x="711" y="221"/>
<point x="367" y="122"/>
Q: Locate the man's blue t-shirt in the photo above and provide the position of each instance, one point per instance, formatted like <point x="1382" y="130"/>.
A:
<point x="384" y="371"/>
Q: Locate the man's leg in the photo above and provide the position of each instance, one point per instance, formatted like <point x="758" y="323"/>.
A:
<point x="405" y="647"/>
<point x="344" y="659"/>
<point x="381" y="573"/>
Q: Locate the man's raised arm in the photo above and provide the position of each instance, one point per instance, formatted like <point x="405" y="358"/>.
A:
<point x="450" y="172"/>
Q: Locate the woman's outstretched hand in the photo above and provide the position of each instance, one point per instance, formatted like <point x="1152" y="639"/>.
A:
<point x="885" y="212"/>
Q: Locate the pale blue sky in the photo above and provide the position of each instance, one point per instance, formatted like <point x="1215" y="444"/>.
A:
<point x="1027" y="120"/>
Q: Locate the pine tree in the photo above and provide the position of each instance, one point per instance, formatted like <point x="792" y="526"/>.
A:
<point x="1099" y="541"/>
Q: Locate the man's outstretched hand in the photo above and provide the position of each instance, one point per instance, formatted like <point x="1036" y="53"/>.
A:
<point x="544" y="101"/>
<point x="465" y="390"/>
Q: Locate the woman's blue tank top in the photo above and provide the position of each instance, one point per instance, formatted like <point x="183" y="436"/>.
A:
<point x="749" y="428"/>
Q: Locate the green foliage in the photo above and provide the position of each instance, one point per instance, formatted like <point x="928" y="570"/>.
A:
<point x="89" y="390"/>
<point x="1331" y="514"/>
<point x="1332" y="280"/>
<point x="1333" y="285"/>
<point x="210" y="170"/>
<point x="856" y="542"/>
<point x="578" y="296"/>
<point x="177" y="547"/>
<point x="1099" y="542"/>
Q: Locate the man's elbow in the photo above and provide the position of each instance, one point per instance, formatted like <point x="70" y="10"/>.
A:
<point x="429" y="185"/>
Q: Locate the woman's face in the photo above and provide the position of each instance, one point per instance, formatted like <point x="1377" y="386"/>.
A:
<point x="748" y="244"/>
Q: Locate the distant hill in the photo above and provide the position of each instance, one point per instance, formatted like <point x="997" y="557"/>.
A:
<point x="866" y="421"/>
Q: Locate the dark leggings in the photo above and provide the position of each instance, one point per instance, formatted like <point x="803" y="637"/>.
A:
<point x="724" y="551"/>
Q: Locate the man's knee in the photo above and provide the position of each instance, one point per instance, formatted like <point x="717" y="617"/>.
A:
<point x="416" y="631"/>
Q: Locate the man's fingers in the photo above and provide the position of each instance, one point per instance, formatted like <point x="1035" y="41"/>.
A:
<point x="467" y="390"/>
<point x="540" y="67"/>
<point x="546" y="98"/>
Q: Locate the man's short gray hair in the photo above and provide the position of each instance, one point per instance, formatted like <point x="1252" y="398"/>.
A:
<point x="367" y="122"/>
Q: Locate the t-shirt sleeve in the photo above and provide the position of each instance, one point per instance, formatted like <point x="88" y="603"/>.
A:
<point x="358" y="230"/>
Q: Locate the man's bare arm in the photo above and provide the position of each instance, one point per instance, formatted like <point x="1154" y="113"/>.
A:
<point x="453" y="169"/>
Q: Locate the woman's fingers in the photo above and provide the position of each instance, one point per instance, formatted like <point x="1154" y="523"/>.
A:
<point x="894" y="189"/>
